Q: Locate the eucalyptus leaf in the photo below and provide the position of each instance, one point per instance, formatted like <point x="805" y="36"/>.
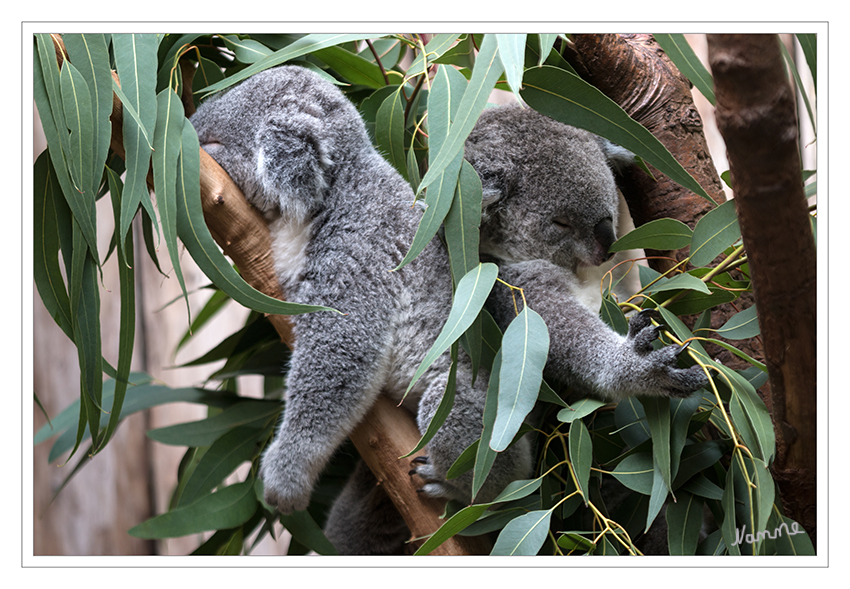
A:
<point x="523" y="536"/>
<point x="742" y="325"/>
<point x="471" y="293"/>
<point x="302" y="46"/>
<point x="486" y="71"/>
<point x="389" y="131"/>
<point x="205" y="432"/>
<point x="714" y="232"/>
<point x="227" y="508"/>
<point x="525" y="347"/>
<point x="660" y="234"/>
<point x="684" y="520"/>
<point x="581" y="455"/>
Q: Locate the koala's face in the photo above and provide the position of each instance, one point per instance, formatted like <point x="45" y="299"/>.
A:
<point x="549" y="192"/>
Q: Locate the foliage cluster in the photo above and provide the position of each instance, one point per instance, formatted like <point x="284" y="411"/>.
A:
<point x="420" y="98"/>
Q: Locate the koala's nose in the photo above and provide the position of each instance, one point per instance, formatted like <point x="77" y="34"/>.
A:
<point x="605" y="237"/>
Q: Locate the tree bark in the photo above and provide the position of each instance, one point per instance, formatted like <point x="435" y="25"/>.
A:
<point x="756" y="116"/>
<point x="387" y="431"/>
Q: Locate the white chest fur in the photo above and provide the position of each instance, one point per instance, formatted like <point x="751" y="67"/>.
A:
<point x="289" y="249"/>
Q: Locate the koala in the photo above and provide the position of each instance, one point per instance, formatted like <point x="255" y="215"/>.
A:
<point x="341" y="219"/>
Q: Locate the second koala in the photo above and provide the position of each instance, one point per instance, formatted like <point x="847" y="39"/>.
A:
<point x="341" y="219"/>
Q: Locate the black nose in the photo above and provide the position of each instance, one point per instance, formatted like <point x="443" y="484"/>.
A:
<point x="605" y="237"/>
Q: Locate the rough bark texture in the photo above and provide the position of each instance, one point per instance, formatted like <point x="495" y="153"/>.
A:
<point x="756" y="116"/>
<point x="633" y="71"/>
<point x="387" y="431"/>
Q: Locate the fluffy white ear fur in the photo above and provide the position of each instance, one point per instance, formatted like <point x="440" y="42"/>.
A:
<point x="618" y="157"/>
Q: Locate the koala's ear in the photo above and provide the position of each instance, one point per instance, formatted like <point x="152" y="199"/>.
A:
<point x="293" y="161"/>
<point x="619" y="158"/>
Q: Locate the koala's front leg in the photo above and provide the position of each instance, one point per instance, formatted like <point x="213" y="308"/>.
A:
<point x="637" y="368"/>
<point x="334" y="378"/>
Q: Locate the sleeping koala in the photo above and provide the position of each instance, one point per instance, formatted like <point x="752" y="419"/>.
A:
<point x="341" y="219"/>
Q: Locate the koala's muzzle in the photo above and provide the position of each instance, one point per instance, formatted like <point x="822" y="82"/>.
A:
<point x="605" y="237"/>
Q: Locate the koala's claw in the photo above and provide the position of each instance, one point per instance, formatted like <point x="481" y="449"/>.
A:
<point x="683" y="348"/>
<point x="420" y="460"/>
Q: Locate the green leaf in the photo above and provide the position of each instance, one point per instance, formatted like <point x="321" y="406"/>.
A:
<point x="167" y="141"/>
<point x="443" y="100"/>
<point x="680" y="53"/>
<point x="89" y="53"/>
<point x="613" y="315"/>
<point x="246" y="51"/>
<point x="443" y="409"/>
<point x="227" y="508"/>
<point x="127" y="319"/>
<point x="792" y="539"/>
<point x="743" y="325"/>
<point x="302" y="46"/>
<point x="581" y="455"/>
<point x="193" y="232"/>
<point x="485" y="456"/>
<point x="525" y="347"/>
<point x="523" y="536"/>
<point x="569" y="99"/>
<point x="703" y="487"/>
<point x="579" y="409"/>
<point x="660" y="234"/>
<point x="512" y="53"/>
<point x="631" y="421"/>
<point x="636" y="472"/>
<point x="46" y="272"/>
<point x="136" y="64"/>
<point x="467" y="515"/>
<point x="486" y="71"/>
<point x="750" y="417"/>
<point x="697" y="457"/>
<point x="471" y="293"/>
<point x="229" y="451"/>
<point x="681" y="282"/>
<point x="389" y="131"/>
<point x="452" y="526"/>
<point x="657" y="497"/>
<point x="77" y="105"/>
<point x="304" y="528"/>
<point x="205" y="432"/>
<point x="716" y="231"/>
<point x="684" y="519"/>
<point x="547" y="42"/>
<point x="658" y="417"/>
<point x="809" y="43"/>
<point x="792" y="67"/>
<point x="438" y="45"/>
<point x="353" y="67"/>
<point x="463" y="220"/>
<point x="681" y="411"/>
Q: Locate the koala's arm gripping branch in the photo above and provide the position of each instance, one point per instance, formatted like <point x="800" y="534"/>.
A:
<point x="387" y="432"/>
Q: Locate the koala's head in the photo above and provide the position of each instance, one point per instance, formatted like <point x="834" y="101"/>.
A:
<point x="549" y="190"/>
<point x="279" y="135"/>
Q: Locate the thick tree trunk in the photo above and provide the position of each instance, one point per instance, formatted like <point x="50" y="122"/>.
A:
<point x="756" y="116"/>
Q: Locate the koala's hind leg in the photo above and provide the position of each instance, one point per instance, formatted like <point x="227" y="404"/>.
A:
<point x="337" y="370"/>
<point x="363" y="520"/>
<point x="462" y="427"/>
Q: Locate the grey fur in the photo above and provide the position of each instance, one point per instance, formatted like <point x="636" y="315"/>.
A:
<point x="341" y="219"/>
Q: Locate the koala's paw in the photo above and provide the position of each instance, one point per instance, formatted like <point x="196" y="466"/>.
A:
<point x="285" y="487"/>
<point x="435" y="485"/>
<point x="661" y="366"/>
